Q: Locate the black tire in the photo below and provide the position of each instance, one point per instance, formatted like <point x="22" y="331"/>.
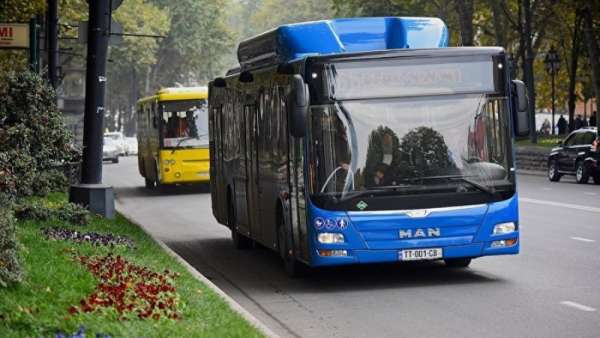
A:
<point x="240" y="241"/>
<point x="115" y="160"/>
<point x="553" y="174"/>
<point x="148" y="183"/>
<point x="582" y="175"/>
<point x="293" y="268"/>
<point x="457" y="262"/>
<point x="597" y="179"/>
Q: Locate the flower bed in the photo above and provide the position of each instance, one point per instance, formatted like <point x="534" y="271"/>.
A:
<point x="129" y="289"/>
<point x="94" y="238"/>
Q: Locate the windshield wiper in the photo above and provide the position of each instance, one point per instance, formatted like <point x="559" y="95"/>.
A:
<point x="475" y="185"/>
<point x="461" y="178"/>
<point x="180" y="142"/>
<point x="381" y="190"/>
<point x="186" y="139"/>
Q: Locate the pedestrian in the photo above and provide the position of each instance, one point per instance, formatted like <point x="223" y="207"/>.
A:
<point x="561" y="125"/>
<point x="593" y="119"/>
<point x="578" y="122"/>
<point x="545" y="130"/>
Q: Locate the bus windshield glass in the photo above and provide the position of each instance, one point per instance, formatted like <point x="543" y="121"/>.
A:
<point x="184" y="124"/>
<point x="457" y="143"/>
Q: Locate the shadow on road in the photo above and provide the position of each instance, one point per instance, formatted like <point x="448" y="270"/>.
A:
<point x="219" y="260"/>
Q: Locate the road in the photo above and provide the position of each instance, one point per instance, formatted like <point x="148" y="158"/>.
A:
<point x="551" y="289"/>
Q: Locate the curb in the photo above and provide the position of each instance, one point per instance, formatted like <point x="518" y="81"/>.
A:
<point x="235" y="306"/>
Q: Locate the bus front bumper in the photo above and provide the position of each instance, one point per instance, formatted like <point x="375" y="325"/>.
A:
<point x="361" y="256"/>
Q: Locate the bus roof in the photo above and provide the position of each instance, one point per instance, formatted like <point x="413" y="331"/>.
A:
<point x="178" y="93"/>
<point x="326" y="37"/>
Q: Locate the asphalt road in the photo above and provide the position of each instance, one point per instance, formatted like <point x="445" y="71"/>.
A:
<point x="551" y="289"/>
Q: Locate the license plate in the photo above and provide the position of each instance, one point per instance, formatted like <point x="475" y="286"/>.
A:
<point x="420" y="254"/>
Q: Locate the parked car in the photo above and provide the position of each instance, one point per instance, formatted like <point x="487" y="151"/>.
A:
<point x="578" y="154"/>
<point x="119" y="139"/>
<point x="110" y="151"/>
<point x="132" y="146"/>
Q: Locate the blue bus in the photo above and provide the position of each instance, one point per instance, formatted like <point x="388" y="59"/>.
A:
<point x="367" y="140"/>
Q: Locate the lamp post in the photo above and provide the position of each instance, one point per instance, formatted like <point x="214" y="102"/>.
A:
<point x="552" y="63"/>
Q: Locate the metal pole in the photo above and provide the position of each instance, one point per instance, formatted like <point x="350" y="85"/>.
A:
<point x="33" y="47"/>
<point x="52" y="36"/>
<point x="97" y="197"/>
<point x="553" y="106"/>
<point x="91" y="171"/>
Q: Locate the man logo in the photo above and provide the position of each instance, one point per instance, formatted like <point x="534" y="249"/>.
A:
<point x="420" y="233"/>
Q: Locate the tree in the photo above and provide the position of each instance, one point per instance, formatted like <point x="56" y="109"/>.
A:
<point x="135" y="55"/>
<point x="465" y="20"/>
<point x="590" y="13"/>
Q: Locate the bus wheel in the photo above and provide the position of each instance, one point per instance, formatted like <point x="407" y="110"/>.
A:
<point x="457" y="262"/>
<point x="239" y="241"/>
<point x="293" y="268"/>
<point x="149" y="184"/>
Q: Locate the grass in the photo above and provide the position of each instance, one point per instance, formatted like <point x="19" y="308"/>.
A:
<point x="542" y="141"/>
<point x="54" y="281"/>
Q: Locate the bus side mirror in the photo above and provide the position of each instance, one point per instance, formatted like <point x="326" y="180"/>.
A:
<point x="299" y="110"/>
<point x="219" y="82"/>
<point x="520" y="111"/>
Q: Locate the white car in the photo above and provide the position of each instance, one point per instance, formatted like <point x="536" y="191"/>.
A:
<point x="110" y="151"/>
<point x="119" y="139"/>
<point x="132" y="146"/>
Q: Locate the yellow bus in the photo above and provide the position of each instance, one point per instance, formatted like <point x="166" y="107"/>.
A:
<point x="172" y="134"/>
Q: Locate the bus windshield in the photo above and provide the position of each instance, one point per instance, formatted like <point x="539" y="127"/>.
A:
<point x="184" y="124"/>
<point x="410" y="145"/>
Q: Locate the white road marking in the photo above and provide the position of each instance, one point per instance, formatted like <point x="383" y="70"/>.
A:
<point x="560" y="204"/>
<point x="589" y="193"/>
<point x="547" y="189"/>
<point x="583" y="239"/>
<point x="578" y="306"/>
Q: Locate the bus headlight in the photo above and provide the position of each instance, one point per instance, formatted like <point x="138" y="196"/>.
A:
<point x="504" y="228"/>
<point x="330" y="238"/>
<point x="169" y="162"/>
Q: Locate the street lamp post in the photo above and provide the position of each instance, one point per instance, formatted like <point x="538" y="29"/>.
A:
<point x="552" y="63"/>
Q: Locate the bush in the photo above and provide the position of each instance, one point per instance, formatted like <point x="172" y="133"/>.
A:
<point x="49" y="181"/>
<point x="33" y="138"/>
<point x="10" y="270"/>
<point x="73" y="213"/>
<point x="66" y="212"/>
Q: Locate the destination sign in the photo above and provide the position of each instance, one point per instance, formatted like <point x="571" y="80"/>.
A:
<point x="393" y="78"/>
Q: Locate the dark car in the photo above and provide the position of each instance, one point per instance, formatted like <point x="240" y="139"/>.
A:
<point x="578" y="154"/>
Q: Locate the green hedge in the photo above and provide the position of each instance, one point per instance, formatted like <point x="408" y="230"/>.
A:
<point x="33" y="143"/>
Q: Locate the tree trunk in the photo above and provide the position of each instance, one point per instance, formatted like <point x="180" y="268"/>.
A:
<point x="573" y="73"/>
<point x="528" y="65"/>
<point x="594" y="53"/>
<point x="498" y="18"/>
<point x="465" y="20"/>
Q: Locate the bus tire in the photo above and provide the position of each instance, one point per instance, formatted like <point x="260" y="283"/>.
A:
<point x="457" y="262"/>
<point x="240" y="241"/>
<point x="148" y="183"/>
<point x="293" y="267"/>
